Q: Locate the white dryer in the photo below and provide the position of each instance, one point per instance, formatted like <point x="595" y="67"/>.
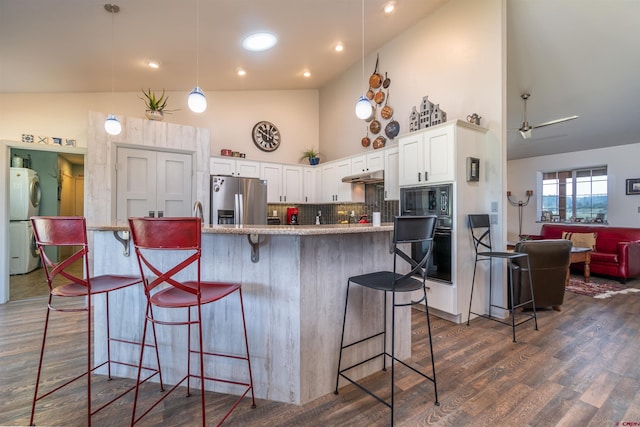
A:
<point x="24" y="194"/>
<point x="23" y="253"/>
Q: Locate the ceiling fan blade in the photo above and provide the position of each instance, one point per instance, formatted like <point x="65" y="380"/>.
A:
<point x="553" y="122"/>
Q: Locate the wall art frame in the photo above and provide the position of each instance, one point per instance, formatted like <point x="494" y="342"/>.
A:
<point x="633" y="186"/>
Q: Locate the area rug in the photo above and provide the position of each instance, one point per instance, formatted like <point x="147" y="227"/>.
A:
<point x="597" y="288"/>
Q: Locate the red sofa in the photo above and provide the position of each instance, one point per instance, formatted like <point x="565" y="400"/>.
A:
<point x="617" y="252"/>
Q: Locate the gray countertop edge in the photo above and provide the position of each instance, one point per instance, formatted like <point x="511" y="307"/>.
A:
<point x="291" y="230"/>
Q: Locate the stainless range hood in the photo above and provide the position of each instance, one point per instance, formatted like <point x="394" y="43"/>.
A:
<point x="365" y="178"/>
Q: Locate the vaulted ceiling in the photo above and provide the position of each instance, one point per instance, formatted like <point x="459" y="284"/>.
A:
<point x="575" y="57"/>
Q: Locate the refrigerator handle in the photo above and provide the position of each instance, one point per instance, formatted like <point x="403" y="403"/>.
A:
<point x="239" y="214"/>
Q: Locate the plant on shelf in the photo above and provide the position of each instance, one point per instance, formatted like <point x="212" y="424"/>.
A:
<point x="155" y="105"/>
<point x="312" y="155"/>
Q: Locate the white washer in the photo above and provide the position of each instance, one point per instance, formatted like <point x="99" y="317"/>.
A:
<point x="24" y="194"/>
<point x="23" y="254"/>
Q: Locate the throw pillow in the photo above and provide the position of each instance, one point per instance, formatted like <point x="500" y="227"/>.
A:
<point x="581" y="240"/>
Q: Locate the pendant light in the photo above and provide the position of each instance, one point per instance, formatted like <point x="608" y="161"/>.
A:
<point x="197" y="101"/>
<point x="112" y="126"/>
<point x="363" y="106"/>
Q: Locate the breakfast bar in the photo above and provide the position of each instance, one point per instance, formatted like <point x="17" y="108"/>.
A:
<point x="293" y="282"/>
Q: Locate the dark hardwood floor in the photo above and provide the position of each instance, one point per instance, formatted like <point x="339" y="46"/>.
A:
<point x="580" y="369"/>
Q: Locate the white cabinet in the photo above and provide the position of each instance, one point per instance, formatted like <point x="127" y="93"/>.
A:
<point x="333" y="189"/>
<point x="284" y="182"/>
<point x="312" y="181"/>
<point x="391" y="174"/>
<point x="427" y="156"/>
<point x="234" y="167"/>
<point x="369" y="162"/>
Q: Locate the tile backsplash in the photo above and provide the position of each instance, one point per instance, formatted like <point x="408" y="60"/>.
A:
<point x="334" y="213"/>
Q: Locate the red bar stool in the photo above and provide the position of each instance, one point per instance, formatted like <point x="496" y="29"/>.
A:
<point x="72" y="231"/>
<point x="181" y="238"/>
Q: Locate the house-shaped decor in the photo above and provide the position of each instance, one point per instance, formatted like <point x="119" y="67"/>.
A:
<point x="430" y="114"/>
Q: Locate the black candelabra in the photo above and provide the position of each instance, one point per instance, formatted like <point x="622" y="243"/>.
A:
<point x="520" y="204"/>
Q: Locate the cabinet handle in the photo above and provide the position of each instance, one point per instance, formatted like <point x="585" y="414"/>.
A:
<point x="419" y="176"/>
<point x="285" y="199"/>
<point x="426" y="176"/>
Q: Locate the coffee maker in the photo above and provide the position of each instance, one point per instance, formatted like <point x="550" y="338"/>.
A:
<point x="292" y="216"/>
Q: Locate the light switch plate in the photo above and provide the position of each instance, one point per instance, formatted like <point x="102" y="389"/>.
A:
<point x="494" y="219"/>
<point x="494" y="207"/>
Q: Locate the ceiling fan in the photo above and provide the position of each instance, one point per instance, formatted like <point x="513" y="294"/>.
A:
<point x="526" y="129"/>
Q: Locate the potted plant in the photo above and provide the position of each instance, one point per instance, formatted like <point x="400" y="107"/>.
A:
<point x="312" y="155"/>
<point x="155" y="105"/>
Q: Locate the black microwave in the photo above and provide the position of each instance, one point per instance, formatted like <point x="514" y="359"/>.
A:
<point x="429" y="200"/>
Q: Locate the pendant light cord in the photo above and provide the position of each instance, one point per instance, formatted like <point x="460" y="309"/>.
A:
<point x="113" y="79"/>
<point x="363" y="43"/>
<point x="198" y="43"/>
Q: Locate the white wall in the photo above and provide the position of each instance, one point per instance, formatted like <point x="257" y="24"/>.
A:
<point x="621" y="162"/>
<point x="230" y="116"/>
<point x="453" y="55"/>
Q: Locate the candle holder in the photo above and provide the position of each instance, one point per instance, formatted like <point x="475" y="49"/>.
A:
<point x="520" y="204"/>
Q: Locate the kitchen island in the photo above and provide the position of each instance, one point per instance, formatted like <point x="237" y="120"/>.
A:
<point x="294" y="281"/>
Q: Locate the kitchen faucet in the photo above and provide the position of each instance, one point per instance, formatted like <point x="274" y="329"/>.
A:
<point x="197" y="211"/>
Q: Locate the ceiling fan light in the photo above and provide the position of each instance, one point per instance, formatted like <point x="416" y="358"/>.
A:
<point x="112" y="126"/>
<point x="363" y="108"/>
<point x="197" y="101"/>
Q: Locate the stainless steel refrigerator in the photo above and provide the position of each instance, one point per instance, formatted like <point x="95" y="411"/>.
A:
<point x="235" y="200"/>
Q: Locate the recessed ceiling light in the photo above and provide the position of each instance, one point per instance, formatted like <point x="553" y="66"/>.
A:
<point x="153" y="64"/>
<point x="389" y="7"/>
<point x="339" y="47"/>
<point x="241" y="72"/>
<point x="257" y="42"/>
<point x="307" y="73"/>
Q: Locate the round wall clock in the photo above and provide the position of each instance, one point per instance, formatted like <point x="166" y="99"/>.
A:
<point x="266" y="136"/>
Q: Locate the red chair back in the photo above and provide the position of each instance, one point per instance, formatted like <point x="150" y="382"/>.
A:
<point x="175" y="234"/>
<point x="61" y="231"/>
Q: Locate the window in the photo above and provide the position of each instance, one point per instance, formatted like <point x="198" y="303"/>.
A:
<point x="576" y="195"/>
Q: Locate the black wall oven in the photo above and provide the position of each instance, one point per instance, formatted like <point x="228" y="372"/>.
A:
<point x="432" y="200"/>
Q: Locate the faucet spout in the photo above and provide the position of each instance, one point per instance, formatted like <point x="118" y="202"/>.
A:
<point x="197" y="211"/>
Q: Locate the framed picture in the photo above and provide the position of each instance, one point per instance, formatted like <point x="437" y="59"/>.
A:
<point x="633" y="186"/>
<point x="555" y="218"/>
<point x="473" y="169"/>
<point x="546" y="216"/>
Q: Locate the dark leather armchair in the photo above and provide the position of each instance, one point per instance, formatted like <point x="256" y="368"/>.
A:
<point x="549" y="260"/>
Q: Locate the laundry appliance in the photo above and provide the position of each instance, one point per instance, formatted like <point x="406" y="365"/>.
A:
<point x="24" y="202"/>
<point x="23" y="254"/>
<point x="24" y="194"/>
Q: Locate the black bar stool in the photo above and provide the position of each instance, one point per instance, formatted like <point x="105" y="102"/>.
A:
<point x="480" y="226"/>
<point x="414" y="230"/>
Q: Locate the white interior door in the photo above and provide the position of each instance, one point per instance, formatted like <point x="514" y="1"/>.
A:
<point x="154" y="183"/>
<point x="173" y="190"/>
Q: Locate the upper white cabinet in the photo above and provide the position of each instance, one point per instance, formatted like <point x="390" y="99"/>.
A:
<point x="370" y="162"/>
<point x="333" y="189"/>
<point x="312" y="180"/>
<point x="391" y="171"/>
<point x="427" y="156"/>
<point x="284" y="182"/>
<point x="233" y="166"/>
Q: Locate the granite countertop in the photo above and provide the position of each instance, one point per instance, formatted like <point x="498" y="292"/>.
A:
<point x="292" y="230"/>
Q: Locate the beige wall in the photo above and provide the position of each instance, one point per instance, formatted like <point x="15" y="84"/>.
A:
<point x="230" y="116"/>
<point x="453" y="55"/>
